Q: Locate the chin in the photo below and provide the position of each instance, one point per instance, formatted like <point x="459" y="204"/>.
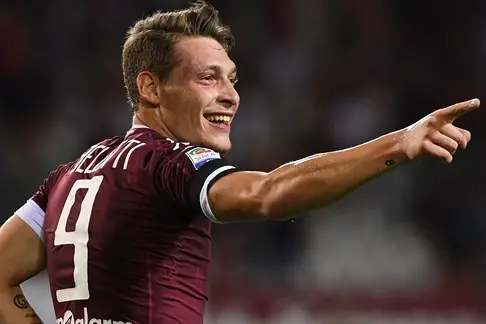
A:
<point x="219" y="145"/>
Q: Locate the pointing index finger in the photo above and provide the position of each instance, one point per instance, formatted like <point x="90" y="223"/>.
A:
<point x="453" y="112"/>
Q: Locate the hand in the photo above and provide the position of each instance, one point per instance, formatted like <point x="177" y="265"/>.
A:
<point x="435" y="135"/>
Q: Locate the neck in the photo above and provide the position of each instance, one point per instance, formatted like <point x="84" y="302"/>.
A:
<point x="140" y="119"/>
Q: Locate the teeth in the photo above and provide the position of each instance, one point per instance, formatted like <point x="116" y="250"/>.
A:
<point x="219" y="118"/>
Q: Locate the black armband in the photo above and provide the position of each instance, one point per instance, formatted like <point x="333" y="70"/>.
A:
<point x="201" y="183"/>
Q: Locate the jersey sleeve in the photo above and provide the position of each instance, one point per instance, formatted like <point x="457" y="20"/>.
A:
<point x="187" y="174"/>
<point x="34" y="210"/>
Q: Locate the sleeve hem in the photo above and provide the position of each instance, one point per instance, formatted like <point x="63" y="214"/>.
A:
<point x="33" y="216"/>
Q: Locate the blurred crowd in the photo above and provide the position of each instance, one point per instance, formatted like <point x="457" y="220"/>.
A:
<point x="315" y="76"/>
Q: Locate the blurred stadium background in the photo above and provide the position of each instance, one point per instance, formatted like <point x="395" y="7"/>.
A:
<point x="315" y="75"/>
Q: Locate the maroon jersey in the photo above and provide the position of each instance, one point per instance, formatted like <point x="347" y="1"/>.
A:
<point x="127" y="229"/>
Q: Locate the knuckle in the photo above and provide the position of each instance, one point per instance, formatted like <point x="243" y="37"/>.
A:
<point x="431" y="120"/>
<point x="432" y="133"/>
<point x="426" y="145"/>
<point x="439" y="111"/>
<point x="451" y="146"/>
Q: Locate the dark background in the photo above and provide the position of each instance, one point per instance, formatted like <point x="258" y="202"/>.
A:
<point x="315" y="76"/>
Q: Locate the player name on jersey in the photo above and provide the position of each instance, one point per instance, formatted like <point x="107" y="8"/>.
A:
<point x="93" y="155"/>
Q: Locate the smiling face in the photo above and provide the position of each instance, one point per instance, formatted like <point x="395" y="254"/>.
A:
<point x="198" y="101"/>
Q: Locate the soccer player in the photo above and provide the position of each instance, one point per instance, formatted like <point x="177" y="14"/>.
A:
<point x="125" y="229"/>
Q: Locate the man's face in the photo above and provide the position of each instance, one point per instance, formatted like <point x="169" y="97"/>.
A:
<point x="199" y="100"/>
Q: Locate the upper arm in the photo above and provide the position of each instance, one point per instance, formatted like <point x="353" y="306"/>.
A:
<point x="22" y="253"/>
<point x="184" y="174"/>
<point x="201" y="179"/>
<point x="238" y="197"/>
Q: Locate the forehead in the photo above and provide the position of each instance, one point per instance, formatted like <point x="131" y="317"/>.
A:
<point x="196" y="53"/>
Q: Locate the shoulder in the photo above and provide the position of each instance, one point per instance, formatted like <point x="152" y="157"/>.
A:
<point x="186" y="154"/>
<point x="172" y="153"/>
<point x="57" y="173"/>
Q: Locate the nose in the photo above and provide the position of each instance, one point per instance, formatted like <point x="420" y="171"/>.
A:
<point x="229" y="97"/>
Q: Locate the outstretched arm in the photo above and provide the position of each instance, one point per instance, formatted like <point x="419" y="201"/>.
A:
<point x="22" y="255"/>
<point x="318" y="180"/>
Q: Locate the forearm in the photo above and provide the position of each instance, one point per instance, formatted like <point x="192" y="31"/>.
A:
<point x="14" y="308"/>
<point x="321" y="179"/>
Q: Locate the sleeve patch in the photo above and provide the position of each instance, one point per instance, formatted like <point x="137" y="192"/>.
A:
<point x="200" y="156"/>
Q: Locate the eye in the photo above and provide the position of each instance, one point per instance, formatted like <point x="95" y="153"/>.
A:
<point x="233" y="80"/>
<point x="208" y="78"/>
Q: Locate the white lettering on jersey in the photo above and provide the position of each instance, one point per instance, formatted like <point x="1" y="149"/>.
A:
<point x="94" y="165"/>
<point x="90" y="168"/>
<point x="177" y="144"/>
<point x="68" y="318"/>
<point x="86" y="155"/>
<point x="109" y="156"/>
<point x="128" y="144"/>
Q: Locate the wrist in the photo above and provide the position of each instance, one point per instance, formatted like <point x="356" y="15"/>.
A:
<point x="394" y="153"/>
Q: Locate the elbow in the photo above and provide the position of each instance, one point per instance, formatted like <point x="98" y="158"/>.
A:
<point x="5" y="280"/>
<point x="6" y="277"/>
<point x="270" y="212"/>
<point x="271" y="206"/>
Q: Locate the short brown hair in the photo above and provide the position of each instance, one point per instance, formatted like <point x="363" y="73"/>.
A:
<point x="150" y="42"/>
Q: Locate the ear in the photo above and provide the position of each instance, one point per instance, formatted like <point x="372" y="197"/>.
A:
<point x="147" y="88"/>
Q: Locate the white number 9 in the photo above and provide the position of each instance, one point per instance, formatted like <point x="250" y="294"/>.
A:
<point x="79" y="237"/>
